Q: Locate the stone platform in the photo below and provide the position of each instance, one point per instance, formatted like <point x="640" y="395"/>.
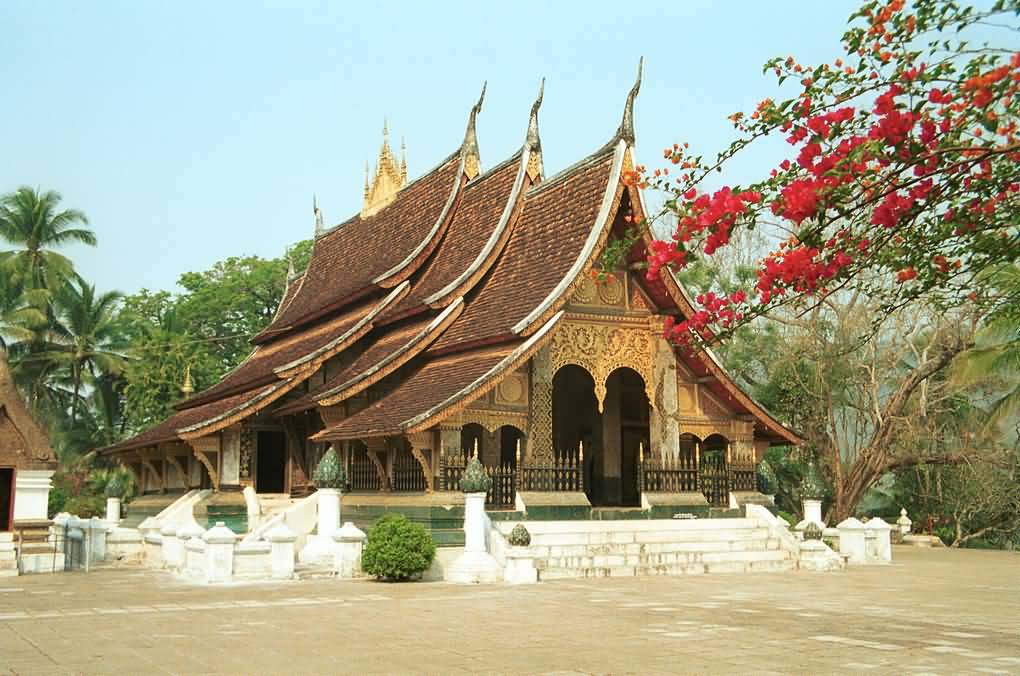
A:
<point x="940" y="611"/>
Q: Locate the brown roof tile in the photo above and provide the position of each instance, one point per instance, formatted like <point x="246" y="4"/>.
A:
<point x="347" y="258"/>
<point x="430" y="385"/>
<point x="167" y="430"/>
<point x="556" y="220"/>
<point x="259" y="366"/>
<point x="474" y="221"/>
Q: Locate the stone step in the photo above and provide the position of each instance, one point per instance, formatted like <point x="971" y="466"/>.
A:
<point x="625" y="536"/>
<point x="628" y="567"/>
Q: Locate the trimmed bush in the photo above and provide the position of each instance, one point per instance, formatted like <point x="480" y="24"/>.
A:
<point x="397" y="549"/>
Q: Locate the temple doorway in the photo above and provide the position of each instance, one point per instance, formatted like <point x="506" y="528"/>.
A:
<point x="271" y="463"/>
<point x="611" y="439"/>
<point x="6" y="498"/>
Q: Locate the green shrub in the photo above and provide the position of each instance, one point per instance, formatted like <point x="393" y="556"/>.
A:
<point x="57" y="500"/>
<point x="397" y="549"/>
<point x="86" y="506"/>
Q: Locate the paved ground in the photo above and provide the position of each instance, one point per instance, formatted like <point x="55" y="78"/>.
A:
<point x="933" y="611"/>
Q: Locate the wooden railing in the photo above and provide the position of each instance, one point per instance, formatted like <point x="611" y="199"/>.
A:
<point x="563" y="473"/>
<point x="501" y="495"/>
<point x="407" y="474"/>
<point x="362" y="475"/>
<point x="676" y="474"/>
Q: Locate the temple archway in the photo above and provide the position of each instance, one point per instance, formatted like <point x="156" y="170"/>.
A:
<point x="713" y="470"/>
<point x="510" y="438"/>
<point x="611" y="438"/>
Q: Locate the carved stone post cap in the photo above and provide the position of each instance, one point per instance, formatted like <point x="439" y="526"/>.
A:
<point x="850" y="524"/>
<point x="220" y="535"/>
<point x="281" y="534"/>
<point x="877" y="523"/>
<point x="349" y="533"/>
<point x="169" y="530"/>
<point x="190" y="531"/>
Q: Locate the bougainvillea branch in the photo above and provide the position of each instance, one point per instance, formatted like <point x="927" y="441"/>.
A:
<point x="903" y="174"/>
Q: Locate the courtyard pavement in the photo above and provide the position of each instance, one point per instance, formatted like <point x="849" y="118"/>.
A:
<point x="931" y="611"/>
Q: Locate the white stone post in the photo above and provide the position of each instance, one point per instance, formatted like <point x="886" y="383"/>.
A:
<point x="520" y="566"/>
<point x="320" y="547"/>
<point x="173" y="550"/>
<point x="878" y="534"/>
<point x="112" y="511"/>
<point x="190" y="536"/>
<point x="475" y="564"/>
<point x="904" y="523"/>
<point x="329" y="511"/>
<point x="31" y="494"/>
<point x="282" y="541"/>
<point x="350" y="541"/>
<point x="852" y="540"/>
<point x="219" y="553"/>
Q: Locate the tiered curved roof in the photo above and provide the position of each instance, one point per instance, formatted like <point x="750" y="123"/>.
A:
<point x="437" y="295"/>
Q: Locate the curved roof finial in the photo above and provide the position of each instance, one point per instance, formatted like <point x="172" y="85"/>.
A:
<point x="472" y="163"/>
<point x="626" y="130"/>
<point x="533" y="140"/>
<point x="319" y="227"/>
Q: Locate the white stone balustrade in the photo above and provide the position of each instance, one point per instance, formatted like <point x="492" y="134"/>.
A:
<point x="112" y="511"/>
<point x="219" y="551"/>
<point x="853" y="540"/>
<point x="878" y="546"/>
<point x="520" y="566"/>
<point x="475" y="564"/>
<point x="320" y="547"/>
<point x="281" y="540"/>
<point x="173" y="550"/>
<point x="350" y="542"/>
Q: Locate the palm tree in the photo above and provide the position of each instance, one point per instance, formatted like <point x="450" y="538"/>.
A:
<point x="32" y="221"/>
<point x="20" y="317"/>
<point x="997" y="353"/>
<point x="89" y="338"/>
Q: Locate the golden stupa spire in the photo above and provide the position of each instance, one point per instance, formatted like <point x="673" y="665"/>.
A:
<point x="187" y="387"/>
<point x="389" y="178"/>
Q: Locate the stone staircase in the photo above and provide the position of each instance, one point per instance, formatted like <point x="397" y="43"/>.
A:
<point x="565" y="549"/>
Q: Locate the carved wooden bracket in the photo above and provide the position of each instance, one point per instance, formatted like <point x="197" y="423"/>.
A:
<point x="295" y="440"/>
<point x="202" y="447"/>
<point x="181" y="472"/>
<point x="159" y="475"/>
<point x="376" y="452"/>
<point x="421" y="442"/>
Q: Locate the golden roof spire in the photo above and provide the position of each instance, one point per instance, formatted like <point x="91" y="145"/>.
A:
<point x="187" y="387"/>
<point x="389" y="178"/>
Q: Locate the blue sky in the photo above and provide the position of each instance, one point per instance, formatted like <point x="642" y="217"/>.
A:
<point x="190" y="132"/>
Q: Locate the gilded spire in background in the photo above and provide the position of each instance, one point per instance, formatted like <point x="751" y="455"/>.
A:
<point x="389" y="178"/>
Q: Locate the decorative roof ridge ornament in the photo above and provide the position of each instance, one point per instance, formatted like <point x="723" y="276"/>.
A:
<point x="317" y="213"/>
<point x="626" y="129"/>
<point x="390" y="176"/>
<point x="291" y="274"/>
<point x="187" y="387"/>
<point x="533" y="141"/>
<point x="469" y="149"/>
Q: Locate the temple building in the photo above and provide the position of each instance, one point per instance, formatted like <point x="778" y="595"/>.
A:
<point x="27" y="463"/>
<point x="466" y="311"/>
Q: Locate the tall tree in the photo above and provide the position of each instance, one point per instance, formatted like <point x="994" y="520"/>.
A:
<point x="904" y="175"/>
<point x="89" y="338"/>
<point x="33" y="223"/>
